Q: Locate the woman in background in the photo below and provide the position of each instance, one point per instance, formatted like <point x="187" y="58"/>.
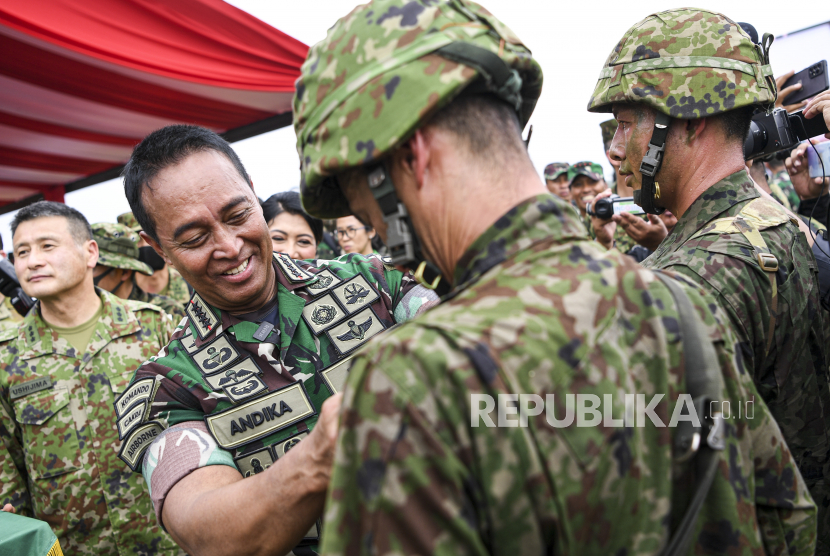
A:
<point x="354" y="236"/>
<point x="292" y="230"/>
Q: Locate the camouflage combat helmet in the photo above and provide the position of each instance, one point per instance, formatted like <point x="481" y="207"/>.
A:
<point x="383" y="70"/>
<point x="128" y="219"/>
<point x="118" y="247"/>
<point x="686" y="63"/>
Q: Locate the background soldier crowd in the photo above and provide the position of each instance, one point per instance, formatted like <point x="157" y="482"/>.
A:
<point x="206" y="376"/>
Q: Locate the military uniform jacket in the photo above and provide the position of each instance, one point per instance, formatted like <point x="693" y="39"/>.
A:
<point x="539" y="309"/>
<point x="59" y="434"/>
<point x="793" y="376"/>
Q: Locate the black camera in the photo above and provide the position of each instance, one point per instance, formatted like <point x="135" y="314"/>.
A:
<point x="779" y="131"/>
<point x="609" y="206"/>
<point x="10" y="287"/>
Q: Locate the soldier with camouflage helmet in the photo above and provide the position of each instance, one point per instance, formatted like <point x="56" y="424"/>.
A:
<point x="60" y="372"/>
<point x="683" y="85"/>
<point x="410" y="116"/>
<point x="165" y="279"/>
<point x="119" y="265"/>
<point x="556" y="179"/>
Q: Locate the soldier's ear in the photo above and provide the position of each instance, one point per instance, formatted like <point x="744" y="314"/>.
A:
<point x="155" y="245"/>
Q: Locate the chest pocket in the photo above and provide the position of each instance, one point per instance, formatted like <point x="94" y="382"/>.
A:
<point x="50" y="437"/>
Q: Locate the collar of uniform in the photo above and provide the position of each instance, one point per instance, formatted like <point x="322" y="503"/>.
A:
<point x="716" y="200"/>
<point x="290" y="308"/>
<point x="532" y="220"/>
<point x="292" y="283"/>
<point x="38" y="338"/>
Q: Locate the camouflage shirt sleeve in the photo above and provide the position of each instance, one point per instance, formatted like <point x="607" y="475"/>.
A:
<point x="13" y="476"/>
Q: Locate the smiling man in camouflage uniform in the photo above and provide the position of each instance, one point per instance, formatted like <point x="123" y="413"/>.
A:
<point x="60" y="372"/>
<point x="237" y="415"/>
<point x="412" y="113"/>
<point x="687" y="82"/>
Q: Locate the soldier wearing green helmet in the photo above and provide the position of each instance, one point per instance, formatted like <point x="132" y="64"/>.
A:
<point x="409" y="115"/>
<point x="683" y="85"/>
<point x="118" y="263"/>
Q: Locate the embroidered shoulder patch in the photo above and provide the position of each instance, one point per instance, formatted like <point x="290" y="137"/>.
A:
<point x="355" y="331"/>
<point x="201" y="315"/>
<point x="136" y="443"/>
<point x="134" y="417"/>
<point x="292" y="272"/>
<point x="283" y="447"/>
<point x="322" y="313"/>
<point x="325" y="281"/>
<point x="355" y="294"/>
<point x="140" y="390"/>
<point x="215" y="356"/>
<point x="255" y="462"/>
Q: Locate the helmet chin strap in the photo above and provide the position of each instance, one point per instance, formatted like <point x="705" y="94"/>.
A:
<point x="401" y="240"/>
<point x="649" y="190"/>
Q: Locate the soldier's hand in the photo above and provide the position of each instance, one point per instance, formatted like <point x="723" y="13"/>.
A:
<point x="317" y="454"/>
<point x="819" y="105"/>
<point x="604" y="229"/>
<point x="783" y="93"/>
<point x="648" y="234"/>
<point x="9" y="508"/>
<point x="805" y="186"/>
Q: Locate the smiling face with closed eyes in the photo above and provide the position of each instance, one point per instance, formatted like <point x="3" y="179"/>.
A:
<point x="211" y="229"/>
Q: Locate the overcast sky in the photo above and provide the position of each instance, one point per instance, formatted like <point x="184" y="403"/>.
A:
<point x="570" y="39"/>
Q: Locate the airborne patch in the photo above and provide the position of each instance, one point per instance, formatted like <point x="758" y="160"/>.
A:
<point x="136" y="443"/>
<point x="356" y="331"/>
<point x="134" y="417"/>
<point x="322" y="313"/>
<point x="325" y="281"/>
<point x="283" y="447"/>
<point x="335" y="375"/>
<point x="260" y="417"/>
<point x="237" y="374"/>
<point x="255" y="462"/>
<point x="293" y="272"/>
<point x="140" y="390"/>
<point x="355" y="294"/>
<point x="216" y="355"/>
<point x="201" y="315"/>
<point x="245" y="389"/>
<point x="29" y="387"/>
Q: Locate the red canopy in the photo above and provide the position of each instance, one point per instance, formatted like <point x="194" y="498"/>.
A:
<point x="82" y="81"/>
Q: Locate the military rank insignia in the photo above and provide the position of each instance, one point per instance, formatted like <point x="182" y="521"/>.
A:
<point x="137" y="443"/>
<point x="325" y="281"/>
<point x="201" y="315"/>
<point x="293" y="272"/>
<point x="260" y="417"/>
<point x="355" y="330"/>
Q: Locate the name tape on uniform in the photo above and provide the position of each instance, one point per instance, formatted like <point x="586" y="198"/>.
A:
<point x="260" y="417"/>
<point x="29" y="387"/>
<point x="355" y="331"/>
<point x="355" y="294"/>
<point x="138" y="391"/>
<point x="134" y="417"/>
<point x="322" y="313"/>
<point x="325" y="281"/>
<point x="201" y="315"/>
<point x="215" y="356"/>
<point x="255" y="462"/>
<point x="136" y="443"/>
<point x="335" y="375"/>
<point x="293" y="272"/>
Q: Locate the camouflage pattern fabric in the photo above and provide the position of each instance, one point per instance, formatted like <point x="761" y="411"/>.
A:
<point x="782" y="179"/>
<point x="59" y="437"/>
<point x="556" y="169"/>
<point x="292" y="353"/>
<point x="793" y="376"/>
<point x="380" y="64"/>
<point x="176" y="287"/>
<point x="540" y="308"/>
<point x="777" y="194"/>
<point x="590" y="169"/>
<point x="128" y="220"/>
<point x="167" y="304"/>
<point x="8" y="315"/>
<point x="686" y="63"/>
<point x="118" y="247"/>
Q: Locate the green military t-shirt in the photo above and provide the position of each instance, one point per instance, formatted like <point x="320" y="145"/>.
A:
<point x="78" y="336"/>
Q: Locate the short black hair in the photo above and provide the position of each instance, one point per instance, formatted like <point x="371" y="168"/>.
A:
<point x="289" y="201"/>
<point x="736" y="122"/>
<point x="161" y="149"/>
<point x="78" y="224"/>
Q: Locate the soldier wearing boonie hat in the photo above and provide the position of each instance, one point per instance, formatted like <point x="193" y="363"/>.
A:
<point x="556" y="179"/>
<point x="404" y="112"/>
<point x="118" y="263"/>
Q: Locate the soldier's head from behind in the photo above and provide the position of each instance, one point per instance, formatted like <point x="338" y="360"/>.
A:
<point x="196" y="206"/>
<point x="585" y="180"/>
<point x="54" y="252"/>
<point x="118" y="258"/>
<point x="433" y="115"/>
<point x="696" y="72"/>
<point x="556" y="179"/>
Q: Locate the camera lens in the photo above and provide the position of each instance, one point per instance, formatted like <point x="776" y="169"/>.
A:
<point x="756" y="141"/>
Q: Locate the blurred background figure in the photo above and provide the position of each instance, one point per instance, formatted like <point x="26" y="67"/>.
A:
<point x="292" y="230"/>
<point x="586" y="180"/>
<point x="761" y="177"/>
<point x="354" y="236"/>
<point x="164" y="280"/>
<point x="8" y="316"/>
<point x="119" y="265"/>
<point x="556" y="179"/>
